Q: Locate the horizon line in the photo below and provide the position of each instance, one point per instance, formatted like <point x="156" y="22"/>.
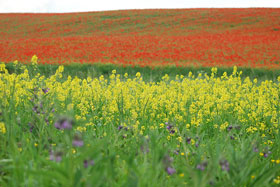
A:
<point x="130" y="9"/>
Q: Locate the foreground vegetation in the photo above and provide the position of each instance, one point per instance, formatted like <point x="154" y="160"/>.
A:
<point x="195" y="130"/>
<point x="148" y="74"/>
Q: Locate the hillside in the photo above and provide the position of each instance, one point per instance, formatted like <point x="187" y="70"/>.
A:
<point x="207" y="37"/>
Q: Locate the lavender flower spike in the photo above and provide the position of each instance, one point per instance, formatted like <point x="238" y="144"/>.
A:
<point x="63" y="124"/>
<point x="170" y="170"/>
<point x="77" y="142"/>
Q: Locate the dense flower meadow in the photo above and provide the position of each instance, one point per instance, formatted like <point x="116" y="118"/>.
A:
<point x="182" y="37"/>
<point x="194" y="130"/>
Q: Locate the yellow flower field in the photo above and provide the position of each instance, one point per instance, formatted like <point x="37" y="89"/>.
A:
<point x="183" y="126"/>
<point x="189" y="102"/>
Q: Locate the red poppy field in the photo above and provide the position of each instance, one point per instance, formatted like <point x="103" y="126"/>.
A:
<point x="183" y="37"/>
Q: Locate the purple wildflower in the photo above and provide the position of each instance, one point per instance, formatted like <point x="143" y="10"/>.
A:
<point x="169" y="127"/>
<point x="57" y="156"/>
<point x="172" y="131"/>
<point x="66" y="124"/>
<point x="229" y="128"/>
<point x="201" y="166"/>
<point x="266" y="154"/>
<point x="47" y="121"/>
<point x="255" y="149"/>
<point x="170" y="170"/>
<point x="45" y="90"/>
<point x="167" y="161"/>
<point x="88" y="163"/>
<point x="120" y="127"/>
<point x="224" y="165"/>
<point x="51" y="155"/>
<point x="77" y="142"/>
<point x="31" y="127"/>
<point x="36" y="109"/>
<point x="176" y="152"/>
<point x="63" y="124"/>
<point x="188" y="140"/>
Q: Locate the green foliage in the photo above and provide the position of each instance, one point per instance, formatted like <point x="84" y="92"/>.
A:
<point x="149" y="74"/>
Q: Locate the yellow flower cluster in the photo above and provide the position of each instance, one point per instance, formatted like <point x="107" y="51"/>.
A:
<point x="3" y="68"/>
<point x="2" y="128"/>
<point x="277" y="180"/>
<point x="276" y="161"/>
<point x="34" y="60"/>
<point x="187" y="102"/>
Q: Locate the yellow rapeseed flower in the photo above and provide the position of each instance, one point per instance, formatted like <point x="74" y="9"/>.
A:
<point x="2" y="128"/>
<point x="81" y="129"/>
<point x="277" y="180"/>
<point x="34" y="60"/>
